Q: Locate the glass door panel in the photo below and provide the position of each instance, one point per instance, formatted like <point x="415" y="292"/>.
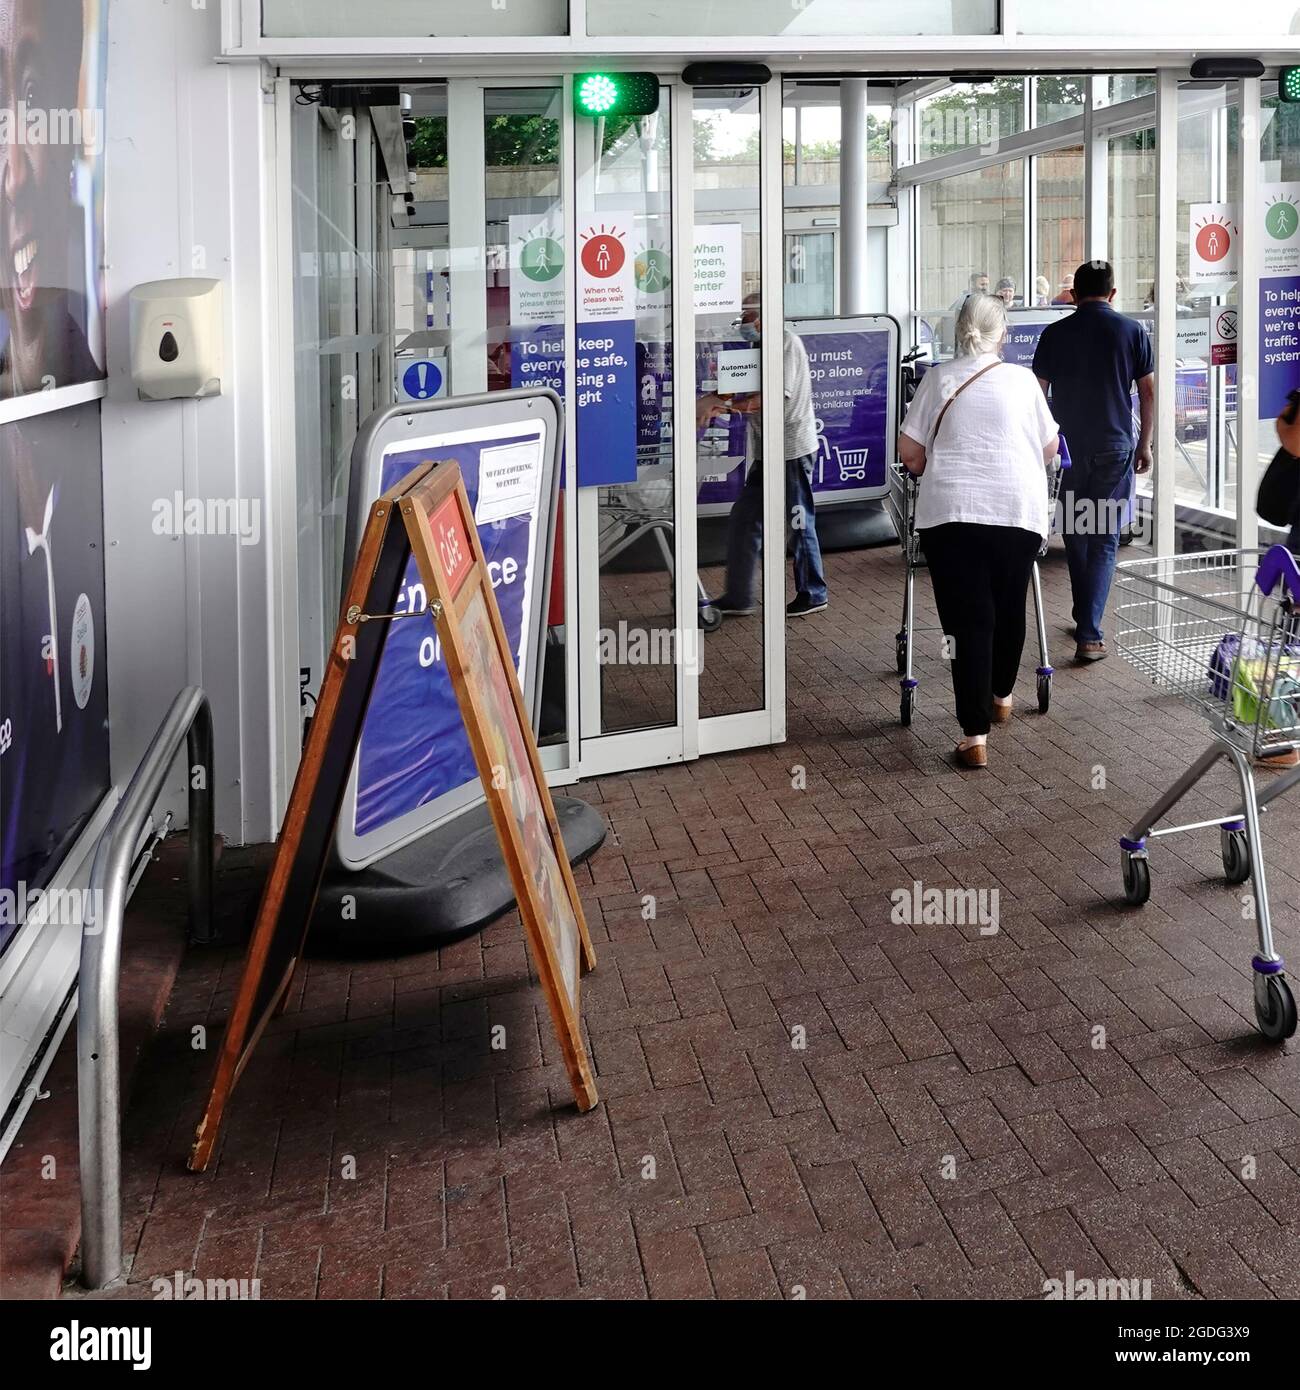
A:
<point x="728" y="386"/>
<point x="639" y="634"/>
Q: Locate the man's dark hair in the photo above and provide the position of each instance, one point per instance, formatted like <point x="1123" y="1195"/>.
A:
<point x="1094" y="280"/>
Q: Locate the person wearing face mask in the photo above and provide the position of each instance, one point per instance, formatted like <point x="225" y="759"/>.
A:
<point x="40" y="66"/>
<point x="745" y="525"/>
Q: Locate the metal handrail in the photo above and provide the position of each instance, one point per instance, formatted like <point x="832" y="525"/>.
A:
<point x="99" y="1118"/>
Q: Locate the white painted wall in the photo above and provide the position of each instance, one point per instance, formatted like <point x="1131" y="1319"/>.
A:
<point x="188" y="137"/>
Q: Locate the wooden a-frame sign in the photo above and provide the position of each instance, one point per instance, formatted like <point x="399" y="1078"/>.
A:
<point x="428" y="515"/>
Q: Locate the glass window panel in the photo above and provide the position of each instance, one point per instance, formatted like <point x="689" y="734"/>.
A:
<point x="971" y="236"/>
<point x="809" y="275"/>
<point x="442" y="19"/>
<point x="1272" y="18"/>
<point x="522" y="130"/>
<point x="970" y="115"/>
<point x="1125" y="86"/>
<point x="813" y="17"/>
<point x="1059" y="98"/>
<point x="1131" y="224"/>
<point x="1059" y="228"/>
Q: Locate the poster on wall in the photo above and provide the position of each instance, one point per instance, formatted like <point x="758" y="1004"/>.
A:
<point x="52" y="141"/>
<point x="53" y="678"/>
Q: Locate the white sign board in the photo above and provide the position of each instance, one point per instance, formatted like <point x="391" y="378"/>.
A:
<point x="1212" y="241"/>
<point x="1280" y="212"/>
<point x="509" y="479"/>
<point x="718" y="255"/>
<point x="739" y="369"/>
<point x="606" y="268"/>
<point x="536" y="270"/>
<point x="1193" y="337"/>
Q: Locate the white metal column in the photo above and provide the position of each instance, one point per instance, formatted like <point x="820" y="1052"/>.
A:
<point x="1166" y="453"/>
<point x="772" y="231"/>
<point x="1096" y="187"/>
<point x="854" y="290"/>
<point x="466" y="220"/>
<point x="1250" y="251"/>
<point x="685" y="476"/>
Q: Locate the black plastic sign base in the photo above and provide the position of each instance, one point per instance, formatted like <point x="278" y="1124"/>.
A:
<point x="441" y="888"/>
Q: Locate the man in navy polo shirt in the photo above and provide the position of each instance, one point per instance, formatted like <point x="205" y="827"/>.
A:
<point x="1088" y="363"/>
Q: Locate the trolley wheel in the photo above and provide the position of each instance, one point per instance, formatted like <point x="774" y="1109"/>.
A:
<point x="1235" y="848"/>
<point x="1044" y="693"/>
<point x="900" y="652"/>
<point x="906" y="704"/>
<point x="1137" y="880"/>
<point x="1277" y="1021"/>
<point x="710" y="617"/>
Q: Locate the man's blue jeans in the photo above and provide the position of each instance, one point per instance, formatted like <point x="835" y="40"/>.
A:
<point x="1093" y="494"/>
<point x="745" y="534"/>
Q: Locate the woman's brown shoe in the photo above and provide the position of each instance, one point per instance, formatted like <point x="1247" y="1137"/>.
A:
<point x="1002" y="713"/>
<point x="973" y="755"/>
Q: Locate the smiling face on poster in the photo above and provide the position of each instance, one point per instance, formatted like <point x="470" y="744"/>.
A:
<point x="51" y="194"/>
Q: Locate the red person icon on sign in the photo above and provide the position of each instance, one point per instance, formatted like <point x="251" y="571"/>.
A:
<point x="603" y="256"/>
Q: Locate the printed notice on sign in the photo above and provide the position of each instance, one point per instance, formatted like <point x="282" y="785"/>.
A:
<point x="1212" y="241"/>
<point x="508" y="481"/>
<point x="536" y="266"/>
<point x="717" y="268"/>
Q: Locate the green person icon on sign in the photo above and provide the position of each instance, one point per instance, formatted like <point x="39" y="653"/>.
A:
<point x="541" y="259"/>
<point x="1281" y="219"/>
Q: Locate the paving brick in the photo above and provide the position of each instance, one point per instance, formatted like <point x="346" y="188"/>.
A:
<point x="948" y="1130"/>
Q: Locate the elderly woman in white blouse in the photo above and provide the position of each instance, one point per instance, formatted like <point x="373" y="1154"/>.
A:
<point x="980" y="433"/>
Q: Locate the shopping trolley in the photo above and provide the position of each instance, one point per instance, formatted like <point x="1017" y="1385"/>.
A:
<point x="629" y="511"/>
<point x="1221" y="630"/>
<point x="904" y="488"/>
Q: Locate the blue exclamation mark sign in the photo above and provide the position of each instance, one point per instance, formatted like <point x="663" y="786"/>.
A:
<point x="421" y="381"/>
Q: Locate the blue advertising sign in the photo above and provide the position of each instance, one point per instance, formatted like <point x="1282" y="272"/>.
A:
<point x="537" y="356"/>
<point x="854" y="365"/>
<point x="414" y="766"/>
<point x="607" y="403"/>
<point x="854" y="375"/>
<point x="1279" y="342"/>
<point x="413" y="745"/>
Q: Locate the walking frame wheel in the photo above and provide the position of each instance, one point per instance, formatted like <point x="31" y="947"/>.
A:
<point x="1275" y="1010"/>
<point x="1137" y="877"/>
<point x="1044" y="691"/>
<point x="1235" y="849"/>
<point x="906" y="704"/>
<point x="710" y="617"/>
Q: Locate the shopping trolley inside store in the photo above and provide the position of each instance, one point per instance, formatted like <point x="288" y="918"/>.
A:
<point x="1221" y="630"/>
<point x="631" y="511"/>
<point x="904" y="489"/>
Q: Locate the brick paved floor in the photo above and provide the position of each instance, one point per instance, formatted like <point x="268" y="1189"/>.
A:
<point x="950" y="1126"/>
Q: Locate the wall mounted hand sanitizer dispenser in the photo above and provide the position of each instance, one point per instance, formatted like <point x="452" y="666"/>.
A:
<point x="177" y="331"/>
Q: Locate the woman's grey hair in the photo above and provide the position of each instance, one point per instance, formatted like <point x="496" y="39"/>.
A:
<point x="981" y="325"/>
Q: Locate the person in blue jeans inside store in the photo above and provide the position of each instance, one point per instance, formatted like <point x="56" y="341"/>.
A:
<point x="1089" y="363"/>
<point x="745" y="526"/>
